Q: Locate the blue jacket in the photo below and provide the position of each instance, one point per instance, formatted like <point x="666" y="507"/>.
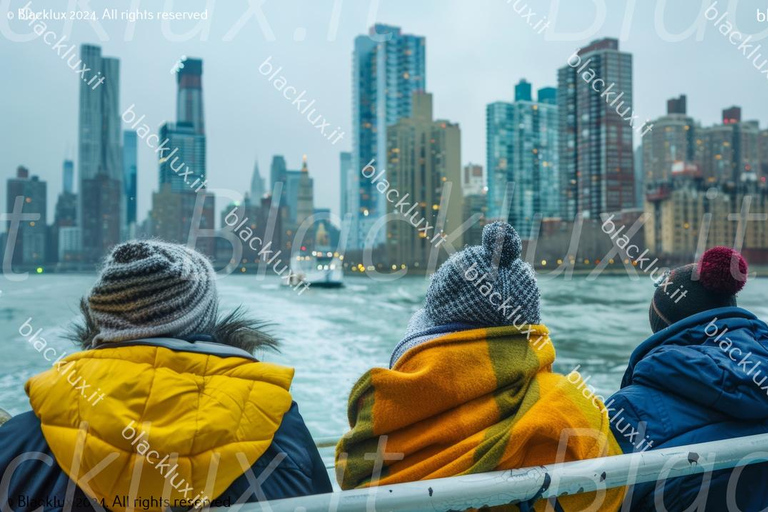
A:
<point x="702" y="379"/>
<point x="36" y="478"/>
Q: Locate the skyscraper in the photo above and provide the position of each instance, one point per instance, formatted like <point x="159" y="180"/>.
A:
<point x="305" y="200"/>
<point x="677" y="105"/>
<point x="68" y="176"/>
<point x="729" y="152"/>
<point x="639" y="178"/>
<point x="595" y="146"/>
<point x="672" y="140"/>
<point x="346" y="168"/>
<point x="732" y="115"/>
<point x="182" y="167"/>
<point x="277" y="170"/>
<point x="103" y="195"/>
<point x="185" y="164"/>
<point x="286" y="203"/>
<point x="130" y="159"/>
<point x="64" y="220"/>
<point x="292" y="180"/>
<point x="99" y="156"/>
<point x="523" y="91"/>
<point x="173" y="213"/>
<point x="187" y="136"/>
<point x="388" y="67"/>
<point x="189" y="99"/>
<point x="763" y="147"/>
<point x="30" y="246"/>
<point x="257" y="184"/>
<point x="424" y="155"/>
<point x="522" y="151"/>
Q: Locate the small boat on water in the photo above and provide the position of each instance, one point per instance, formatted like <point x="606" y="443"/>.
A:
<point x="321" y="268"/>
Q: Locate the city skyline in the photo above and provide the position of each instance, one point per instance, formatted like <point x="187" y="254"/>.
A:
<point x="461" y="92"/>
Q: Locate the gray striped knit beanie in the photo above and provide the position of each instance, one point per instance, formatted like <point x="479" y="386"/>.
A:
<point x="149" y="289"/>
<point x="486" y="285"/>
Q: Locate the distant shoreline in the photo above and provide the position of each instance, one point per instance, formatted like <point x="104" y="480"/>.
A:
<point x="579" y="271"/>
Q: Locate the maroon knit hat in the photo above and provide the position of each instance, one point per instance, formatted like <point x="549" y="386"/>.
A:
<point x="720" y="274"/>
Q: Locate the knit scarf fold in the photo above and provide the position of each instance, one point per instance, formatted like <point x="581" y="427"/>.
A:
<point x="471" y="402"/>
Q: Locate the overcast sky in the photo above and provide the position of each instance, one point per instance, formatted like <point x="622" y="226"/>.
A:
<point x="476" y="51"/>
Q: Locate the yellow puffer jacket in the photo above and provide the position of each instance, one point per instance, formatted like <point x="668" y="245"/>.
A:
<point x="149" y="422"/>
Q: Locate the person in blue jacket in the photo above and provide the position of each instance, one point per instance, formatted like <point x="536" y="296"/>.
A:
<point x="164" y="408"/>
<point x="702" y="376"/>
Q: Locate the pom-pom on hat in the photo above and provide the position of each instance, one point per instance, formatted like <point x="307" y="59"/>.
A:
<point x="685" y="291"/>
<point x="717" y="271"/>
<point x="486" y="285"/>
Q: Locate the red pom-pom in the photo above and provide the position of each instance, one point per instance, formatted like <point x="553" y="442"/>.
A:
<point x="715" y="271"/>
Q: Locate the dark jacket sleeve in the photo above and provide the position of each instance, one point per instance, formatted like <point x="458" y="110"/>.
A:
<point x="290" y="467"/>
<point x="35" y="478"/>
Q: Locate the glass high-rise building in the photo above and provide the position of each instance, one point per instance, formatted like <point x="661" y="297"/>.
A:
<point x="387" y="68"/>
<point x="186" y="137"/>
<point x="277" y="170"/>
<point x="182" y="167"/>
<point x="68" y="176"/>
<point x="522" y="157"/>
<point x="100" y="156"/>
<point x="596" y="152"/>
<point x="346" y="168"/>
<point x="291" y="196"/>
<point x="189" y="100"/>
<point x="186" y="153"/>
<point x="130" y="158"/>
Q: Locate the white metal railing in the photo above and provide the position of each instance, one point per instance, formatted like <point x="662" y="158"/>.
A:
<point x="520" y="485"/>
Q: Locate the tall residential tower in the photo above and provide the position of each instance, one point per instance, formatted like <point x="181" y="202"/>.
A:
<point x="522" y="158"/>
<point x="100" y="156"/>
<point x="388" y="67"/>
<point x="595" y="143"/>
<point x="424" y="164"/>
<point x="182" y="166"/>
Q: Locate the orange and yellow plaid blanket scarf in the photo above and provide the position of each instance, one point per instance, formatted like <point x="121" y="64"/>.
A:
<point x="472" y="402"/>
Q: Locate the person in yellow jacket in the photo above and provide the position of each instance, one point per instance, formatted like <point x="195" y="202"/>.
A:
<point x="470" y="388"/>
<point x="166" y="406"/>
